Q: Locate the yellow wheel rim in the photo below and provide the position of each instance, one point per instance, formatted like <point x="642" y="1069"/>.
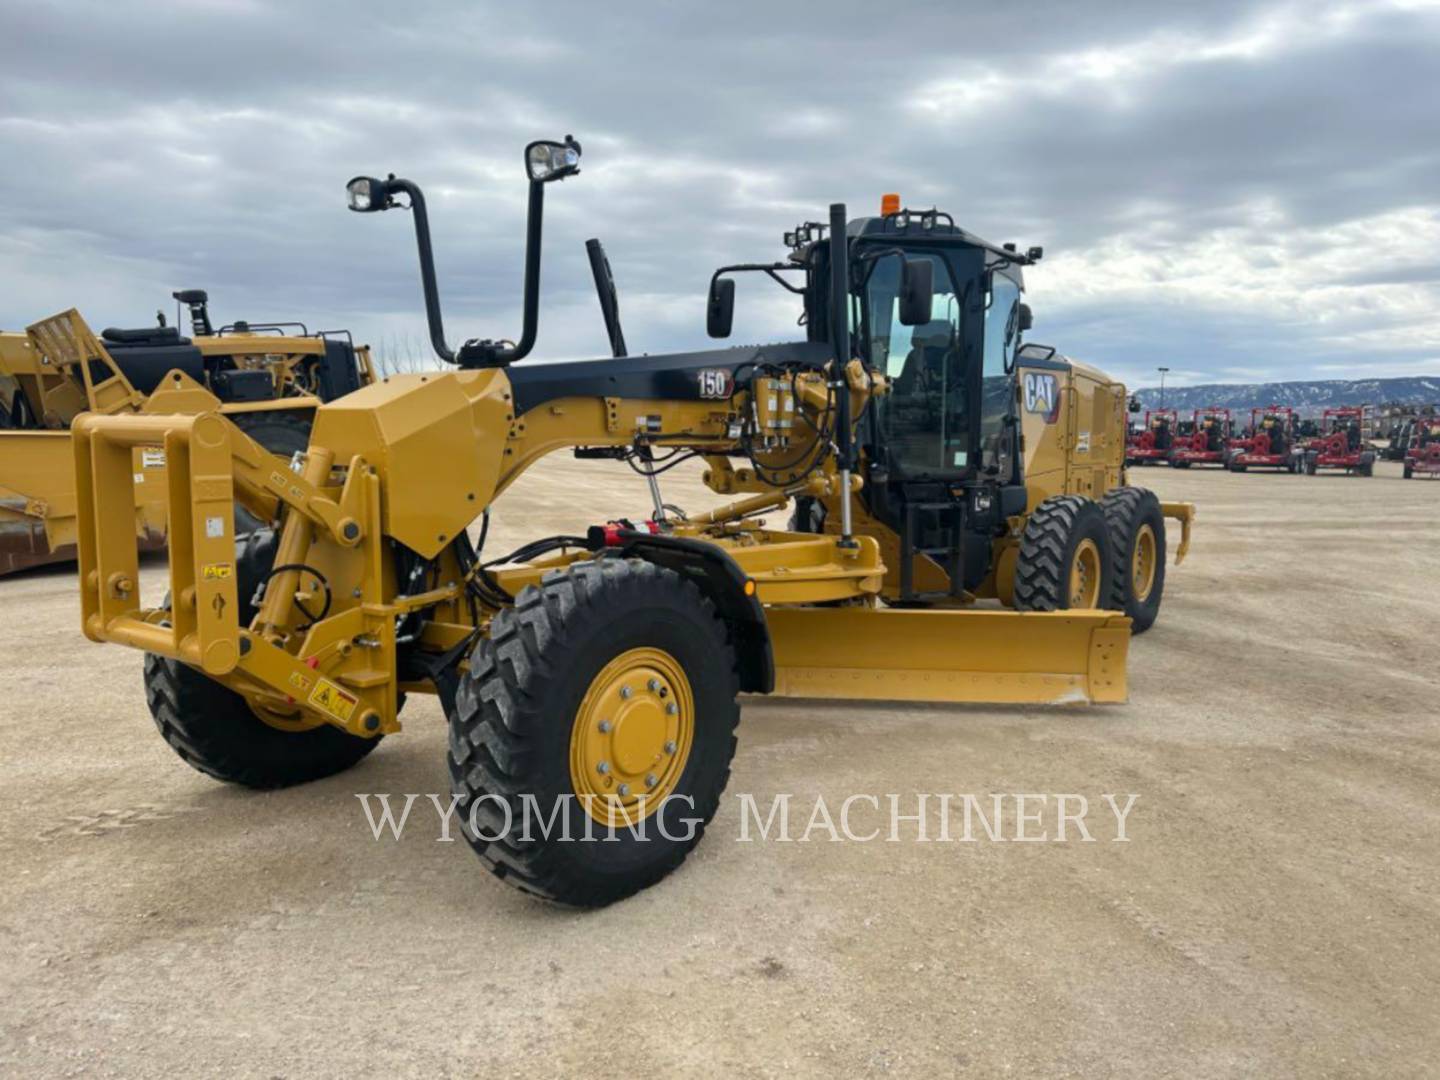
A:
<point x="1085" y="576"/>
<point x="632" y="736"/>
<point x="1142" y="564"/>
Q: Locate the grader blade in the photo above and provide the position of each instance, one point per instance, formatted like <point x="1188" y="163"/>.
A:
<point x="974" y="655"/>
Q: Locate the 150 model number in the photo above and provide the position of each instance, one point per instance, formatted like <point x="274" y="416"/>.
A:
<point x="716" y="383"/>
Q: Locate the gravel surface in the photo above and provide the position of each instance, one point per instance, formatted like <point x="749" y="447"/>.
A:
<point x="1273" y="912"/>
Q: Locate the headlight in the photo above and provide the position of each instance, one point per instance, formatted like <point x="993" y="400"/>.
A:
<point x="546" y="161"/>
<point x="366" y="194"/>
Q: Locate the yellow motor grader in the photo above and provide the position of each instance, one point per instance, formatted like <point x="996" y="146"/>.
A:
<point x="267" y="378"/>
<point x="962" y="532"/>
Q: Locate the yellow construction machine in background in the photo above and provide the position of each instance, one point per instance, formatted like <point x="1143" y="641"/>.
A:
<point x="268" y="378"/>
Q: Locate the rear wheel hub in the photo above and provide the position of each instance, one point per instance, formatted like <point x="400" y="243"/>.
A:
<point x="1142" y="564"/>
<point x="1085" y="575"/>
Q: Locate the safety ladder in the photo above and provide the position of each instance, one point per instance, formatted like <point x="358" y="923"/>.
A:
<point x="951" y="515"/>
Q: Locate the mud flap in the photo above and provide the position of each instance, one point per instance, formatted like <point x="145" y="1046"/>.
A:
<point x="970" y="655"/>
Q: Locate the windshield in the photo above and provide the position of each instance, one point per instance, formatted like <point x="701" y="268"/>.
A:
<point x="926" y="415"/>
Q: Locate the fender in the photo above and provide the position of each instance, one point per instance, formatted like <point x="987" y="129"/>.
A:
<point x="723" y="583"/>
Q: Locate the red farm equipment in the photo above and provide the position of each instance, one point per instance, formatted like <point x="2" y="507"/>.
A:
<point x="1152" y="445"/>
<point x="1341" y="443"/>
<point x="1270" y="443"/>
<point x="1211" y="434"/>
<point x="1422" y="457"/>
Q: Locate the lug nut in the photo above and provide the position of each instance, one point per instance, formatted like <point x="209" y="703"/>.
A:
<point x="603" y="768"/>
<point x="653" y="685"/>
<point x="625" y="692"/>
<point x="670" y="747"/>
<point x="671" y="709"/>
<point x="651" y="779"/>
<point x="604" y="727"/>
<point x="624" y="790"/>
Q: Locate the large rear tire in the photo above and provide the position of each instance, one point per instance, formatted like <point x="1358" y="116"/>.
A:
<point x="1064" y="559"/>
<point x="214" y="729"/>
<point x="1137" y="547"/>
<point x="613" y="679"/>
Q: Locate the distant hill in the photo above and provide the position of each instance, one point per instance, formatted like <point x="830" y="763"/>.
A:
<point x="1307" y="396"/>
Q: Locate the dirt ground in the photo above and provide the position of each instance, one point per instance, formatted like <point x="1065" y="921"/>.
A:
<point x="1273" y="913"/>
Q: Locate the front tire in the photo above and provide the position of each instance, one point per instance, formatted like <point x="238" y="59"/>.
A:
<point x="611" y="680"/>
<point x="1064" y="559"/>
<point x="214" y="729"/>
<point x="215" y="732"/>
<point x="1137" y="545"/>
<point x="282" y="432"/>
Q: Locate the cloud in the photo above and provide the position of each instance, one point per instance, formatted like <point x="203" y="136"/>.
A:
<point x="1239" y="187"/>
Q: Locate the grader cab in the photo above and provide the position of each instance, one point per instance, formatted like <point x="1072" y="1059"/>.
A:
<point x="966" y="535"/>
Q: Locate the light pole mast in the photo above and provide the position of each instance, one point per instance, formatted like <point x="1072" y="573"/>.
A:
<point x="1162" y="371"/>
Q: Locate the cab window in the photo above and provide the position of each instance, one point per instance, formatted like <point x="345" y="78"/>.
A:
<point x="1002" y="322"/>
<point x="926" y="415"/>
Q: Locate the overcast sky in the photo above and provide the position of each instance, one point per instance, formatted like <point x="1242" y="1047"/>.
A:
<point x="1239" y="191"/>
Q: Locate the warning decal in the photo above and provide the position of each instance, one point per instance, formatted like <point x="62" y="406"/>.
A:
<point x="216" y="571"/>
<point x="329" y="698"/>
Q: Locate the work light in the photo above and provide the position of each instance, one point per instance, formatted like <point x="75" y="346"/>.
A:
<point x="546" y="161"/>
<point x="366" y="194"/>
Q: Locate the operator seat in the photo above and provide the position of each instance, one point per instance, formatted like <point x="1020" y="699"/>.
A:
<point x="925" y="363"/>
<point x="916" y="405"/>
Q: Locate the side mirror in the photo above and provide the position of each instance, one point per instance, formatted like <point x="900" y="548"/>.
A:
<point x="720" y="309"/>
<point x="917" y="292"/>
<point x="1027" y="319"/>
